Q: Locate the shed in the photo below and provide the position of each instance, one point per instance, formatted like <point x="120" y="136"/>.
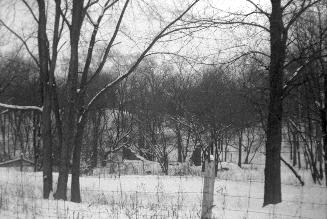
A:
<point x="21" y="163"/>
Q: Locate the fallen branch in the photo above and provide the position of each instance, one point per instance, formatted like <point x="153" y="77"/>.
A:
<point x="293" y="170"/>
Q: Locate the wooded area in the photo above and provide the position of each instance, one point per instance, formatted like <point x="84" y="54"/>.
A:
<point x="72" y="114"/>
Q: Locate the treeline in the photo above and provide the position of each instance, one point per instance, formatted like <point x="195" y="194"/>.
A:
<point x="156" y="111"/>
<point x="165" y="113"/>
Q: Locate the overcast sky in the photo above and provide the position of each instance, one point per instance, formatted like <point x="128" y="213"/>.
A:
<point x="142" y="22"/>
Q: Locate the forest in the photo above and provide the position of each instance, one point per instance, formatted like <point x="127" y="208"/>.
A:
<point x="84" y="80"/>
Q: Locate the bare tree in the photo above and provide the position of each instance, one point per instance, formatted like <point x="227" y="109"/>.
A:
<point x="76" y="107"/>
<point x="72" y="141"/>
<point x="281" y="19"/>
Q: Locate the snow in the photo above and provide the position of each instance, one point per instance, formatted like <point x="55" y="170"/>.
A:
<point x="17" y="107"/>
<point x="158" y="196"/>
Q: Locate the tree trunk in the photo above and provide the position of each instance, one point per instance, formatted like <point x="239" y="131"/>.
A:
<point x="290" y="140"/>
<point x="246" y="161"/>
<point x="272" y="187"/>
<point x="185" y="149"/>
<point x="75" y="185"/>
<point x="179" y="143"/>
<point x="56" y="111"/>
<point x="295" y="147"/>
<point x="323" y="117"/>
<point x="240" y="140"/>
<point x="319" y="151"/>
<point x="46" y="91"/>
<point x="299" y="157"/>
<point x="34" y="136"/>
<point x="3" y="132"/>
<point x="69" y="120"/>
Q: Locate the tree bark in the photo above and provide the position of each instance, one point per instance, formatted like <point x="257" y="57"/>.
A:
<point x="323" y="117"/>
<point x="56" y="110"/>
<point x="75" y="185"/>
<point x="319" y="150"/>
<point x="3" y="132"/>
<point x="272" y="187"/>
<point x="179" y="143"/>
<point x="240" y="140"/>
<point x="46" y="91"/>
<point x="69" y="119"/>
<point x="295" y="147"/>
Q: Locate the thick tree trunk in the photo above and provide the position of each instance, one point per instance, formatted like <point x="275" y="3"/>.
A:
<point x="47" y="146"/>
<point x="69" y="121"/>
<point x="272" y="187"/>
<point x="34" y="137"/>
<point x="75" y="185"/>
<point x="324" y="136"/>
<point x="56" y="110"/>
<point x="3" y="132"/>
<point x="68" y="142"/>
<point x="323" y="117"/>
<point x="240" y="140"/>
<point x="46" y="91"/>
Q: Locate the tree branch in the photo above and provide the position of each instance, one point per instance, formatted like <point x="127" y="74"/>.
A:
<point x="240" y="23"/>
<point x="135" y="65"/>
<point x="293" y="170"/>
<point x="31" y="11"/>
<point x="112" y="40"/>
<point x="300" y="12"/>
<point x="258" y="8"/>
<point x="22" y="40"/>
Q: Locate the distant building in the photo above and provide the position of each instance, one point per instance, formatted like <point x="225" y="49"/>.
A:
<point x="21" y="164"/>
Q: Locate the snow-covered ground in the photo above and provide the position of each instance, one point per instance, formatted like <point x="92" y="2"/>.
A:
<point x="238" y="194"/>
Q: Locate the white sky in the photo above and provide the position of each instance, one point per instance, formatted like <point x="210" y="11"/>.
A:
<point x="139" y="29"/>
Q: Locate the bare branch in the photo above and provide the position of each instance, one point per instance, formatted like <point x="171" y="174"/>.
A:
<point x="31" y="11"/>
<point x="109" y="46"/>
<point x="63" y="15"/>
<point x="22" y="40"/>
<point x="258" y="8"/>
<point x="90" y="3"/>
<point x="300" y="12"/>
<point x="287" y="4"/>
<point x="293" y="170"/>
<point x="137" y="62"/>
<point x="93" y="38"/>
<point x="231" y="23"/>
<point x="288" y="85"/>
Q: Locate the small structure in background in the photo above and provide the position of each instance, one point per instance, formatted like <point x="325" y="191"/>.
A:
<point x="21" y="164"/>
